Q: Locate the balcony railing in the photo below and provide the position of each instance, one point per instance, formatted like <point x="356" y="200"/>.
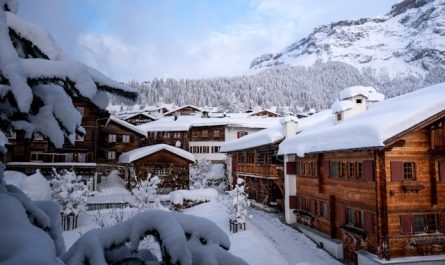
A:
<point x="259" y="170"/>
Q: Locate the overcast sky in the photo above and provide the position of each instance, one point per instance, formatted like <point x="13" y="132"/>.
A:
<point x="143" y="39"/>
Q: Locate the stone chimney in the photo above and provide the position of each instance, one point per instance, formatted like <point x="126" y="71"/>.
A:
<point x="289" y="125"/>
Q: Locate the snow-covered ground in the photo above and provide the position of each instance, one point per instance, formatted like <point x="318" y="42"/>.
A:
<point x="266" y="240"/>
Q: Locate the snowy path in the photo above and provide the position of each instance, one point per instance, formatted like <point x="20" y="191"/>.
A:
<point x="294" y="246"/>
<point x="267" y="241"/>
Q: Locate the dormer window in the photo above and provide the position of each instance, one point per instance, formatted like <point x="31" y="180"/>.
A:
<point x="359" y="101"/>
<point x="339" y="116"/>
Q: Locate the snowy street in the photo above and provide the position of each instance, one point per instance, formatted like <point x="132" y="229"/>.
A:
<point x="266" y="239"/>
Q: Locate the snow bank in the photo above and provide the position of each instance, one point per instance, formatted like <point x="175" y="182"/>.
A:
<point x="37" y="187"/>
<point x="113" y="184"/>
<point x="200" y="195"/>
<point x="14" y="178"/>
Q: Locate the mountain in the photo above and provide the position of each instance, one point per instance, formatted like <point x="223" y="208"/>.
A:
<point x="408" y="41"/>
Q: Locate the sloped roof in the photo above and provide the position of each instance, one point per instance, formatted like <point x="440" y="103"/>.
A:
<point x="273" y="134"/>
<point x="383" y="121"/>
<point x="126" y="125"/>
<point x="139" y="153"/>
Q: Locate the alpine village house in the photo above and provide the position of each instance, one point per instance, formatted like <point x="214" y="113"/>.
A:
<point x="369" y="184"/>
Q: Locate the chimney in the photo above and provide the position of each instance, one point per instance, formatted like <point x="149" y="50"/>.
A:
<point x="289" y="125"/>
<point x="205" y="114"/>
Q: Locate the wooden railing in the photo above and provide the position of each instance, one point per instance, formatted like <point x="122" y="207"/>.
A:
<point x="258" y="170"/>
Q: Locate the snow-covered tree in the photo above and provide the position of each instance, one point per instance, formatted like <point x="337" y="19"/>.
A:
<point x="238" y="203"/>
<point x="69" y="191"/>
<point x="145" y="194"/>
<point x="199" y="173"/>
<point x="38" y="81"/>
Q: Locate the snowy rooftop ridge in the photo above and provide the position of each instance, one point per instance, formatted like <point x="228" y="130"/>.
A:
<point x="373" y="128"/>
<point x="263" y="137"/>
<point x="139" y="153"/>
<point x="126" y="125"/>
<point x="342" y="105"/>
<point x="273" y="134"/>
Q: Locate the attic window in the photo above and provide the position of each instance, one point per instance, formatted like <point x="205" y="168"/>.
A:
<point x="339" y="116"/>
<point x="358" y="101"/>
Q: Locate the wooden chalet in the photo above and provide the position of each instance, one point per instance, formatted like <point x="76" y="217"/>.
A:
<point x="265" y="113"/>
<point x="140" y="118"/>
<point x="205" y="142"/>
<point x="184" y="110"/>
<point x="169" y="163"/>
<point x="365" y="201"/>
<point x="254" y="158"/>
<point x="117" y="137"/>
<point x="28" y="154"/>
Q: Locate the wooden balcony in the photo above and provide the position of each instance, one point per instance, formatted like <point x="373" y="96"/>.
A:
<point x="267" y="171"/>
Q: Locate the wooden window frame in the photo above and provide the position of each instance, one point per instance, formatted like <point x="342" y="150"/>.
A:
<point x="126" y="138"/>
<point x="112" y="138"/>
<point x="409" y="170"/>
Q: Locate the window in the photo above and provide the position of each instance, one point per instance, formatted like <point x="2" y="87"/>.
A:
<point x="334" y="169"/>
<point x="82" y="157"/>
<point x="38" y="137"/>
<point x="359" y="101"/>
<point x="339" y="116"/>
<point x="216" y="133"/>
<point x="161" y="172"/>
<point x="111" y="155"/>
<point x="350" y="216"/>
<point x="215" y="149"/>
<point x="351" y="170"/>
<point x="125" y="138"/>
<point x="418" y="224"/>
<point x="205" y="133"/>
<point x="408" y="171"/>
<point x="80" y="138"/>
<point x="166" y="134"/>
<point x="343" y="166"/>
<point x="324" y="209"/>
<point x="112" y="138"/>
<point x="177" y="135"/>
<point x="241" y="134"/>
<point x="194" y="133"/>
<point x="359" y="170"/>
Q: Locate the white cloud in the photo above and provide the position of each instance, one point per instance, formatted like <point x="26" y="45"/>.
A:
<point x="116" y="58"/>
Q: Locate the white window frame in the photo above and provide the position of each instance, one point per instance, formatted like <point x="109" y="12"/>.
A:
<point x="126" y="138"/>
<point x="111" y="155"/>
<point x="112" y="138"/>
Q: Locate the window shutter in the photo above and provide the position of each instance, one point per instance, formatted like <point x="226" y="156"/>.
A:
<point x="396" y="171"/>
<point x="341" y="215"/>
<point x="326" y="169"/>
<point x="238" y="134"/>
<point x="368" y="170"/>
<point x="292" y="202"/>
<point x="329" y="212"/>
<point x="442" y="170"/>
<point x="406" y="222"/>
<point x="369" y="222"/>
<point x="290" y="168"/>
<point x="442" y="222"/>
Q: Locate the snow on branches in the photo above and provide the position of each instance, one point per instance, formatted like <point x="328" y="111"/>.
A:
<point x="145" y="194"/>
<point x="38" y="81"/>
<point x="238" y="202"/>
<point x="199" y="173"/>
<point x="69" y="191"/>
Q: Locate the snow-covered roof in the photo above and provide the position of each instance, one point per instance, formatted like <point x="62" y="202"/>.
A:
<point x="129" y="116"/>
<point x="342" y="105"/>
<point x="263" y="137"/>
<point x="367" y="91"/>
<point x="273" y="134"/>
<point x="184" y="123"/>
<point x="383" y="121"/>
<point x="126" y="125"/>
<point x="183" y="107"/>
<point x="139" y="153"/>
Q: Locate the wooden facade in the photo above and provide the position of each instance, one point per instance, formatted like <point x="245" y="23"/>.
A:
<point x="184" y="110"/>
<point x="265" y="113"/>
<point x="39" y="149"/>
<point x="389" y="201"/>
<point x="173" y="138"/>
<point x="262" y="172"/>
<point x="139" y="118"/>
<point x="115" y="139"/>
<point x="173" y="170"/>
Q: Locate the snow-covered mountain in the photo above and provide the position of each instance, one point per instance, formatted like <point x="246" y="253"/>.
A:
<point x="409" y="40"/>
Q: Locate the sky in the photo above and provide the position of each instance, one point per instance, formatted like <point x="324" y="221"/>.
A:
<point x="143" y="39"/>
